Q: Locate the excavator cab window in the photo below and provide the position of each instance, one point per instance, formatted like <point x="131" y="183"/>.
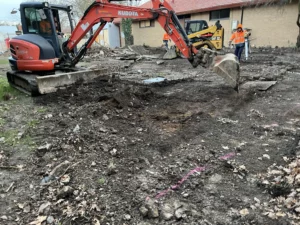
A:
<point x="37" y="22"/>
<point x="195" y="26"/>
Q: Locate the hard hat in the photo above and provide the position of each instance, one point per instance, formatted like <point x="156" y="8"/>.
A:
<point x="240" y="26"/>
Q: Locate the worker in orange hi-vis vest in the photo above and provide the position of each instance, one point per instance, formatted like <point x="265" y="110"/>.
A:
<point x="166" y="39"/>
<point x="45" y="27"/>
<point x="239" y="40"/>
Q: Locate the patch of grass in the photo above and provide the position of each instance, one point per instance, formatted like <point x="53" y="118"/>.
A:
<point x="101" y="181"/>
<point x="2" y="121"/>
<point x="31" y="123"/>
<point x="42" y="110"/>
<point x="6" y="90"/>
<point x="3" y="61"/>
<point x="10" y="137"/>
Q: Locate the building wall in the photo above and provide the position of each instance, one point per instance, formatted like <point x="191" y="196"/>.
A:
<point x="151" y="36"/>
<point x="102" y="38"/>
<point x="271" y="26"/>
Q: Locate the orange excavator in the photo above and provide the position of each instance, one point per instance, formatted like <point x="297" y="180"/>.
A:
<point x="42" y="61"/>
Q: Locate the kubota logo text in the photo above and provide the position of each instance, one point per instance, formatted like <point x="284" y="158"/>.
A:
<point x="127" y="13"/>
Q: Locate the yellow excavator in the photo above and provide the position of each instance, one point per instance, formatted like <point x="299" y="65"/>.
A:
<point x="202" y="35"/>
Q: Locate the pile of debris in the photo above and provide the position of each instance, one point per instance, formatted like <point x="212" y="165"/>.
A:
<point x="283" y="183"/>
<point x="134" y="52"/>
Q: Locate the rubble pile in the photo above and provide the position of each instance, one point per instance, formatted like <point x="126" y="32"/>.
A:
<point x="283" y="184"/>
<point x="134" y="52"/>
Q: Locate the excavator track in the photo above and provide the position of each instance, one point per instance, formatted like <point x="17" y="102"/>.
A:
<point x="23" y="82"/>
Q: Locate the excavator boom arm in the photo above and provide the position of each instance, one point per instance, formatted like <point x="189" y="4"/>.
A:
<point x="102" y="11"/>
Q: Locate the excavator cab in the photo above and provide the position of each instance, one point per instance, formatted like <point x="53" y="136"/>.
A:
<point x="193" y="26"/>
<point x="202" y="35"/>
<point x="41" y="25"/>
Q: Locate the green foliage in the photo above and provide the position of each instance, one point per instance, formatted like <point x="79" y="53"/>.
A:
<point x="6" y="89"/>
<point x="42" y="110"/>
<point x="3" y="61"/>
<point x="33" y="123"/>
<point x="126" y="25"/>
<point x="101" y="181"/>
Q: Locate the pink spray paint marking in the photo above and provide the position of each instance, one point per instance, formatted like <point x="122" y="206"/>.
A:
<point x="227" y="156"/>
<point x="176" y="186"/>
<point x="197" y="169"/>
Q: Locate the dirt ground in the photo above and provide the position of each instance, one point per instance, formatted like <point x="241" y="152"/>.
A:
<point x="189" y="150"/>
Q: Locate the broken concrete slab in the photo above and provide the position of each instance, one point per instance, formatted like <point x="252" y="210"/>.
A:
<point x="160" y="62"/>
<point x="154" y="80"/>
<point x="258" y="85"/>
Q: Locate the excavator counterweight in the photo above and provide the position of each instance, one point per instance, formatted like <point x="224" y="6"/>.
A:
<point x="42" y="59"/>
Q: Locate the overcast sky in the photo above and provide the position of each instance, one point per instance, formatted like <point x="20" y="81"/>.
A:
<point x="8" y="5"/>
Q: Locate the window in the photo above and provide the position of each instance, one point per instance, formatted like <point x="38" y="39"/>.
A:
<point x="183" y="19"/>
<point x="36" y="21"/>
<point x="195" y="26"/>
<point x="147" y="23"/>
<point x="219" y="14"/>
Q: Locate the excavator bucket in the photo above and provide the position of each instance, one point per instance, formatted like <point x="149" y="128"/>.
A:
<point x="228" y="67"/>
<point x="171" y="53"/>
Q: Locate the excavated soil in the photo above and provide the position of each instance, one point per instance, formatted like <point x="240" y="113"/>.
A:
<point x="126" y="144"/>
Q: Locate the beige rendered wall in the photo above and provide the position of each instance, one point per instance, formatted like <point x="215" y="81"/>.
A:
<point x="273" y="26"/>
<point x="151" y="36"/>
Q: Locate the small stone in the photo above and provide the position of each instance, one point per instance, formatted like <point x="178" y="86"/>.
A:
<point x="48" y="116"/>
<point x="50" y="220"/>
<point x="266" y="156"/>
<point x="272" y="215"/>
<point x="143" y="210"/>
<point x="113" y="152"/>
<point x="76" y="129"/>
<point x="216" y="178"/>
<point x="160" y="62"/>
<point x="180" y="213"/>
<point x="185" y="195"/>
<point x="4" y="217"/>
<point x="280" y="214"/>
<point x="244" y="212"/>
<point x="105" y="117"/>
<point x="44" y="208"/>
<point x="297" y="209"/>
<point x="257" y="200"/>
<point x="65" y="179"/>
<point x="26" y="209"/>
<point x="152" y="209"/>
<point x="66" y="147"/>
<point x="65" y="192"/>
<point x="2" y="139"/>
<point x="112" y="169"/>
<point x="127" y="217"/>
<point x="93" y="164"/>
<point x="44" y="147"/>
<point x="167" y="212"/>
<point x="140" y="71"/>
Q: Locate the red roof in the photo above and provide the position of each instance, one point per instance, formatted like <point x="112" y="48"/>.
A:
<point x="193" y="6"/>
